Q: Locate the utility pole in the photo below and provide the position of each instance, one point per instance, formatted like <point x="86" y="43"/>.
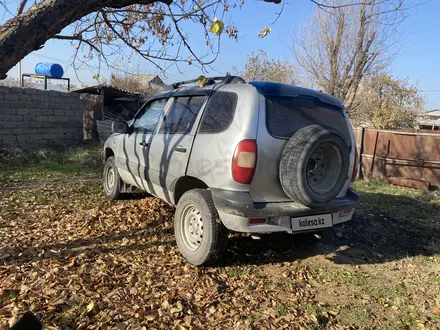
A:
<point x="19" y="75"/>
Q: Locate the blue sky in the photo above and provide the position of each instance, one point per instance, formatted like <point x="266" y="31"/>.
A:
<point x="417" y="59"/>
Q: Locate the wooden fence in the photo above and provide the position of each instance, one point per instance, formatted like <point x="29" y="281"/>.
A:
<point x="403" y="157"/>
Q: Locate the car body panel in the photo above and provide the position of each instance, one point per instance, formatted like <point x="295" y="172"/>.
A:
<point x="169" y="156"/>
<point x="212" y="153"/>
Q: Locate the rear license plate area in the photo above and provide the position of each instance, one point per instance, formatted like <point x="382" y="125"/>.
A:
<point x="312" y="222"/>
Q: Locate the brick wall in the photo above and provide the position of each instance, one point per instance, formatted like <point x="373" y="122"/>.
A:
<point x="32" y="116"/>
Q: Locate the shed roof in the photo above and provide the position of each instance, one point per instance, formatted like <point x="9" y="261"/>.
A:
<point x="432" y="113"/>
<point x="98" y="88"/>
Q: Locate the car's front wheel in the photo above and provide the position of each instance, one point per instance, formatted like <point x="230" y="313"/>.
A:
<point x="111" y="180"/>
<point x="200" y="235"/>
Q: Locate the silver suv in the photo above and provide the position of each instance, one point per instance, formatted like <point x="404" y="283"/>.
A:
<point x="247" y="157"/>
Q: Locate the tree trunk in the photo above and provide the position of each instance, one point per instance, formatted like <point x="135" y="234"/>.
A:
<point x="29" y="31"/>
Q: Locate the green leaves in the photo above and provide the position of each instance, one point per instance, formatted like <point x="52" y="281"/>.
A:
<point x="201" y="80"/>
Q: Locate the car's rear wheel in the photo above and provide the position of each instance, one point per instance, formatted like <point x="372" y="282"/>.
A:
<point x="314" y="165"/>
<point x="200" y="235"/>
<point x="111" y="180"/>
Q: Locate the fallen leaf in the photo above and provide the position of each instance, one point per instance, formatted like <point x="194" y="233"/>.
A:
<point x="121" y="326"/>
<point x="436" y="311"/>
<point x="175" y="310"/>
<point x="90" y="307"/>
<point x="420" y="325"/>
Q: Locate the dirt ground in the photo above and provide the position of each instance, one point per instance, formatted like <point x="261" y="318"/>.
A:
<point x="82" y="262"/>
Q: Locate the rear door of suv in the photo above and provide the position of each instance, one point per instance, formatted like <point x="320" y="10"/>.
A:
<point x="170" y="148"/>
<point x="280" y="118"/>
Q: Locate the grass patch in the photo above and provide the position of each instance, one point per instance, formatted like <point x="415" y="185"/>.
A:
<point x="406" y="218"/>
<point x="234" y="271"/>
<point x="18" y="164"/>
<point x="398" y="201"/>
<point x="281" y="310"/>
<point x="356" y="316"/>
<point x="286" y="282"/>
<point x="408" y="318"/>
<point x="377" y="288"/>
<point x="320" y="317"/>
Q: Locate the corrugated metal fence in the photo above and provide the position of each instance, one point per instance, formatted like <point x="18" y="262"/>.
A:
<point x="403" y="157"/>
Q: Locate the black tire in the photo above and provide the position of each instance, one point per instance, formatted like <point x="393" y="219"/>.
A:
<point x="299" y="162"/>
<point x="112" y="192"/>
<point x="214" y="234"/>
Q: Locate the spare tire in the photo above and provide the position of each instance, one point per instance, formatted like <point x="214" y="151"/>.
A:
<point x="314" y="165"/>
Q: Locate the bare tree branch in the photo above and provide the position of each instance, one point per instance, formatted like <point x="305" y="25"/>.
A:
<point x="176" y="25"/>
<point x="77" y="38"/>
<point x="109" y="24"/>
<point x="151" y="28"/>
<point x="338" y="49"/>
<point x="20" y="7"/>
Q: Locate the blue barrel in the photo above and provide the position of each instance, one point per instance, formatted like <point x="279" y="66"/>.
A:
<point x="49" y="69"/>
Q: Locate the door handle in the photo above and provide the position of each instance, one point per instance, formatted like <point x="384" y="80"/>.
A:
<point x="144" y="144"/>
<point x="180" y="149"/>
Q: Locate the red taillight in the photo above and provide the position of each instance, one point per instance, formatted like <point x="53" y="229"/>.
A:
<point x="244" y="161"/>
<point x="257" y="221"/>
<point x="355" y="166"/>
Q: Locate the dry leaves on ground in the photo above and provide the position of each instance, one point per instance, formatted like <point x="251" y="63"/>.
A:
<point x="83" y="262"/>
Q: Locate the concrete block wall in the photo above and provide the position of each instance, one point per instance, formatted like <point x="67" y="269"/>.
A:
<point x="31" y="116"/>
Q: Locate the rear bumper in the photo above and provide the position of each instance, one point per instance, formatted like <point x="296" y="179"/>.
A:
<point x="236" y="208"/>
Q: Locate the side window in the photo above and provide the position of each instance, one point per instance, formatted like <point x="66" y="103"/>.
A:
<point x="219" y="112"/>
<point x="182" y="115"/>
<point x="151" y="115"/>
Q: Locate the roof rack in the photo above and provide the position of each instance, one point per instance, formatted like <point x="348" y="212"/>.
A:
<point x="212" y="81"/>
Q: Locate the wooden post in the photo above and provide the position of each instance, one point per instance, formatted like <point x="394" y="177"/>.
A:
<point x="374" y="156"/>
<point x="360" y="149"/>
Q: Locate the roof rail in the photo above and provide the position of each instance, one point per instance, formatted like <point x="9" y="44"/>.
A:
<point x="212" y="81"/>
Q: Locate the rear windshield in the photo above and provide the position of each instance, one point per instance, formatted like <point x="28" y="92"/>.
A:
<point x="285" y="115"/>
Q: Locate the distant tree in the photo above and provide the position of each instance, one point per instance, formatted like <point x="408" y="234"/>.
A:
<point x="259" y="67"/>
<point x="385" y="102"/>
<point x="338" y="47"/>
